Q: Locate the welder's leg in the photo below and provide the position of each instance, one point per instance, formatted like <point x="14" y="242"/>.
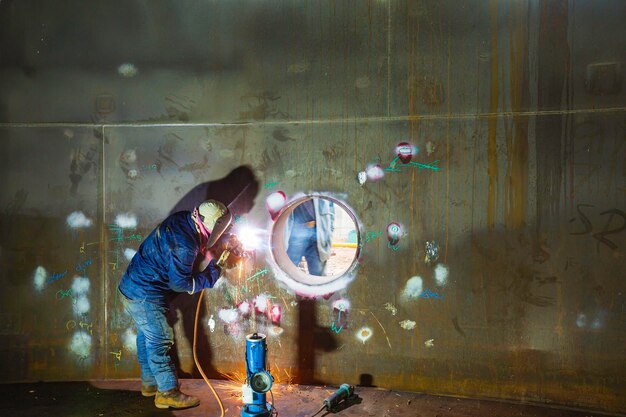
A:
<point x="147" y="377"/>
<point x="159" y="340"/>
<point x="312" y="256"/>
<point x="148" y="380"/>
<point x="298" y="242"/>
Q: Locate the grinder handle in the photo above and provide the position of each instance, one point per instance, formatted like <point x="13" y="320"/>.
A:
<point x="341" y="394"/>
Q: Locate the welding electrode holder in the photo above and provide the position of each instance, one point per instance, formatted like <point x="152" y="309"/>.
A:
<point x="221" y="262"/>
<point x="230" y="250"/>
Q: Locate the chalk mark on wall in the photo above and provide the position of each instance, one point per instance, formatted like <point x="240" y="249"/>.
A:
<point x="77" y="219"/>
<point x="407" y="324"/>
<point x="39" y="278"/>
<point x="413" y="288"/>
<point x="588" y="228"/>
<point x="391" y="308"/>
<point x="80" y="165"/>
<point x="261" y="106"/>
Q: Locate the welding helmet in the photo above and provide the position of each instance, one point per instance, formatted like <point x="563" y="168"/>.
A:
<point x="216" y="218"/>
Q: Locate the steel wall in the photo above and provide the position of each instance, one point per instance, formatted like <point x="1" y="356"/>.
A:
<point x="520" y="102"/>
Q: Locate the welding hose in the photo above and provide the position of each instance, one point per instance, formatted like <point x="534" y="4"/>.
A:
<point x="195" y="357"/>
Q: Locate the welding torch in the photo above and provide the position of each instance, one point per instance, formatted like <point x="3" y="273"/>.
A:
<point x="228" y="245"/>
<point x="232" y="251"/>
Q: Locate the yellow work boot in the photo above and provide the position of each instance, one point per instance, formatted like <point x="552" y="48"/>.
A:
<point x="148" y="390"/>
<point x="175" y="399"/>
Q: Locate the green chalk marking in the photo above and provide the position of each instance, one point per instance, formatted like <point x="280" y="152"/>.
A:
<point x="334" y="328"/>
<point x="393" y="167"/>
<point x="227" y="295"/>
<point x="432" y="165"/>
<point x="259" y="273"/>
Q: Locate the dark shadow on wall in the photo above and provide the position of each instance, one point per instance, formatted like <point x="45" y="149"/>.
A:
<point x="311" y="338"/>
<point x="237" y="190"/>
<point x="366" y="380"/>
<point x="183" y="307"/>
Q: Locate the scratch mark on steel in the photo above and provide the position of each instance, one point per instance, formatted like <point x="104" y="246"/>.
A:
<point x="455" y="321"/>
<point x="381" y="326"/>
<point x="492" y="149"/>
<point x="338" y="120"/>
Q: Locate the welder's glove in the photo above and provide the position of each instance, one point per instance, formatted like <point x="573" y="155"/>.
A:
<point x="228" y="251"/>
<point x="228" y="260"/>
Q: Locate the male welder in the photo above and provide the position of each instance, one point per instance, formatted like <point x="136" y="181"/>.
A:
<point x="308" y="234"/>
<point x="178" y="256"/>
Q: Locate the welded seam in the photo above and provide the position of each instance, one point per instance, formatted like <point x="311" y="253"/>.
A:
<point x="103" y="263"/>
<point x="459" y="116"/>
<point x="388" y="59"/>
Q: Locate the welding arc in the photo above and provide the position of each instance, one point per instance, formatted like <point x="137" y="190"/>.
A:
<point x="195" y="357"/>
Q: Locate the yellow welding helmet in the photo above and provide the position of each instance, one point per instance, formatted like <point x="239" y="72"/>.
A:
<point x="216" y="217"/>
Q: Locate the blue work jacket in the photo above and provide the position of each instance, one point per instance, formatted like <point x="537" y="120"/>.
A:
<point x="164" y="263"/>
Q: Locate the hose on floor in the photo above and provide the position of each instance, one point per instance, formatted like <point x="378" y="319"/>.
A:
<point x="195" y="357"/>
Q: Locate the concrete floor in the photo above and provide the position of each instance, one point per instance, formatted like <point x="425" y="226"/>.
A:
<point x="122" y="398"/>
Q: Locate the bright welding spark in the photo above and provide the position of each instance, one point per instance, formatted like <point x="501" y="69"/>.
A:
<point x="234" y="381"/>
<point x="235" y="377"/>
<point x="251" y="238"/>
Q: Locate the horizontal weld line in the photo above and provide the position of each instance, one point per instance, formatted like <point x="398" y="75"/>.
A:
<point x="461" y="116"/>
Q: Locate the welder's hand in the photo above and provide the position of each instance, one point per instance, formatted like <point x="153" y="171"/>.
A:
<point x="228" y="251"/>
<point x="234" y="246"/>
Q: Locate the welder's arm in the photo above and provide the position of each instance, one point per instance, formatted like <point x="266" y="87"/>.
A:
<point x="207" y="277"/>
<point x="182" y="278"/>
<point x="206" y="259"/>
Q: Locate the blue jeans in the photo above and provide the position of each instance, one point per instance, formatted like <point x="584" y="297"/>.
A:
<point x="303" y="242"/>
<point x="154" y="340"/>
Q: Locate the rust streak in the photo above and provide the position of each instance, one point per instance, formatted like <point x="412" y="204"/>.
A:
<point x="445" y="258"/>
<point x="517" y="137"/>
<point x="492" y="156"/>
